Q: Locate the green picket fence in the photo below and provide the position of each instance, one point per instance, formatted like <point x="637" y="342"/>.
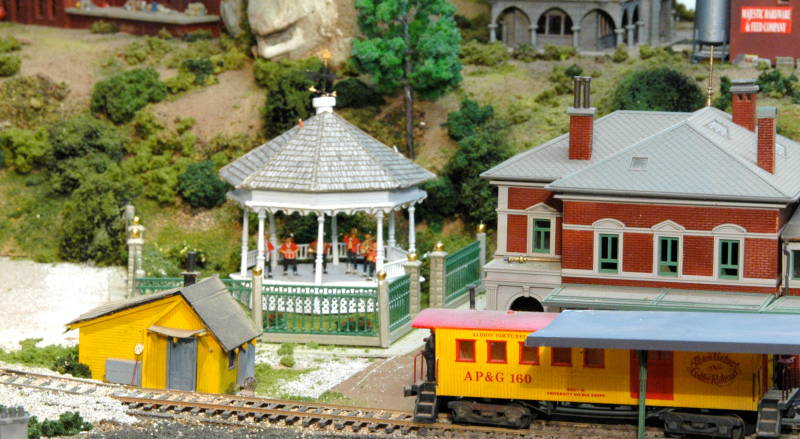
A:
<point x="462" y="268"/>
<point x="150" y="285"/>
<point x="399" y="302"/>
<point x="240" y="290"/>
<point x="310" y="309"/>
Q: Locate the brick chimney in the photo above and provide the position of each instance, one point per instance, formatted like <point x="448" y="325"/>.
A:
<point x="581" y="120"/>
<point x="766" y="138"/>
<point x="743" y="102"/>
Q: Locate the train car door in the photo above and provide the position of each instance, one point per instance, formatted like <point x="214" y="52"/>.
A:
<point x="660" y="375"/>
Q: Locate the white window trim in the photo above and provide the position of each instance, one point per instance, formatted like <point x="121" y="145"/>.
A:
<point x="667" y="229"/>
<point x="542" y="211"/>
<point x="608" y="226"/>
<point x="729" y="232"/>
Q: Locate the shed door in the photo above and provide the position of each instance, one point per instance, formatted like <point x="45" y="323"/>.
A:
<point x="181" y="364"/>
<point x="660" y="375"/>
<point x="247" y="364"/>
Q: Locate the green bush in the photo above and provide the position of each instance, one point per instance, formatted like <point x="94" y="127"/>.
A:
<point x="31" y="101"/>
<point x="573" y="71"/>
<point x="164" y="34"/>
<point x="476" y="28"/>
<point x="28" y="149"/>
<point x="288" y="100"/>
<point x="561" y="78"/>
<point x="230" y="60"/>
<point x="442" y="200"/>
<point x="620" y="54"/>
<point x="547" y="96"/>
<point x="103" y="27"/>
<point x="201" y="187"/>
<point x="646" y="52"/>
<point x="121" y="96"/>
<point x="287" y="361"/>
<point x="68" y="424"/>
<point x="661" y="89"/>
<point x="354" y="93"/>
<point x="9" y="65"/>
<point x="2" y="159"/>
<point x="525" y="53"/>
<point x="29" y="354"/>
<point x="465" y="122"/>
<point x="149" y="50"/>
<point x="268" y="72"/>
<point x="180" y="83"/>
<point x="777" y="85"/>
<point x="558" y="53"/>
<point x="9" y="44"/>
<point x="201" y="68"/>
<point x="723" y="101"/>
<point x="491" y="54"/>
<point x="68" y="363"/>
<point x="197" y="35"/>
<point x="286" y="349"/>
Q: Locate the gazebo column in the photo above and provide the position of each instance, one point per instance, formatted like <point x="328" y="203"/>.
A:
<point x="261" y="257"/>
<point x="392" y="242"/>
<point x="320" y="248"/>
<point x="335" y="239"/>
<point x="379" y="258"/>
<point x="412" y="231"/>
<point x="245" y="241"/>
<point x="273" y="238"/>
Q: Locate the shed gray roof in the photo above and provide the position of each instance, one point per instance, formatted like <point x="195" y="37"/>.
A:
<point x="612" y="132"/>
<point x="210" y="300"/>
<point x="706" y="156"/>
<point x="326" y="154"/>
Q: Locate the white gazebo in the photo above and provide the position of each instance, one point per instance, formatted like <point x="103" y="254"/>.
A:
<point x="324" y="166"/>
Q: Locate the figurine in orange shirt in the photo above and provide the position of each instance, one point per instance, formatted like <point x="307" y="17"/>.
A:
<point x="370" y="256"/>
<point x="268" y="255"/>
<point x="353" y="245"/>
<point x="289" y="253"/>
<point x="312" y="249"/>
<point x="364" y="251"/>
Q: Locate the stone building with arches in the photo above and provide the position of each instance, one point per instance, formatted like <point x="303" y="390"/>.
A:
<point x="588" y="25"/>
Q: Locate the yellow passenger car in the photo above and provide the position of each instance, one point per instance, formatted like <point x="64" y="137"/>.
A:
<point x="194" y="338"/>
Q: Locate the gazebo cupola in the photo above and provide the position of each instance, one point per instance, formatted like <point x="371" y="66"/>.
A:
<point x="324" y="166"/>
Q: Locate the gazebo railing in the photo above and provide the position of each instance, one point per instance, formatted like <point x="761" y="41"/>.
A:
<point x="461" y="268"/>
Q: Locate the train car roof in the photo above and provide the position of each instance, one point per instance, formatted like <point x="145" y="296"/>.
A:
<point x="473" y="319"/>
<point x="749" y="333"/>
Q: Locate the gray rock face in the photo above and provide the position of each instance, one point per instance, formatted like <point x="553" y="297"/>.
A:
<point x="231" y="11"/>
<point x="294" y="28"/>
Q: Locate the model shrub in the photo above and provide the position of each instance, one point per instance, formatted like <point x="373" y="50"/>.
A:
<point x="561" y="78"/>
<point x="9" y="65"/>
<point x="164" y="34"/>
<point x="287" y="361"/>
<point x="201" y="68"/>
<point x="183" y="81"/>
<point x="288" y="100"/>
<point x="558" y="53"/>
<point x="196" y="35"/>
<point x="121" y="96"/>
<point x="354" y="93"/>
<point x="465" y="122"/>
<point x="2" y="159"/>
<point x="491" y="54"/>
<point x="661" y="89"/>
<point x="31" y="101"/>
<point x="723" y="101"/>
<point x="476" y="28"/>
<point x="268" y="72"/>
<point x="103" y="27"/>
<point x="620" y="54"/>
<point x="201" y="187"/>
<point x="525" y="53"/>
<point x="777" y="85"/>
<point x="68" y="424"/>
<point x="27" y="149"/>
<point x="9" y="44"/>
<point x="148" y="50"/>
<point x="68" y="363"/>
<point x="646" y="51"/>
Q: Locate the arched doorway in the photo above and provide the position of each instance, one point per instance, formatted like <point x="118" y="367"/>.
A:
<point x="554" y="27"/>
<point x="635" y="22"/>
<point x="514" y="27"/>
<point x="527" y="304"/>
<point x="597" y="31"/>
<point x="625" y="22"/>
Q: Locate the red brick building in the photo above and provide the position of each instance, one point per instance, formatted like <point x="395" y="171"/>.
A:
<point x="63" y="13"/>
<point x="649" y="210"/>
<point x="767" y="28"/>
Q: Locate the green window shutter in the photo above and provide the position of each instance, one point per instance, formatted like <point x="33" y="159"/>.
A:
<point x="609" y="253"/>
<point x="729" y="264"/>
<point x="541" y="236"/>
<point x="668" y="256"/>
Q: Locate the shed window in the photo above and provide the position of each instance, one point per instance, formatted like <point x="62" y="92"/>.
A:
<point x="496" y="352"/>
<point x="562" y="357"/>
<point x="593" y="357"/>
<point x="231" y="359"/>
<point x="541" y="236"/>
<point x="465" y="350"/>
<point x="609" y="253"/>
<point x="667" y="256"/>
<point x="729" y="259"/>
<point x="528" y="354"/>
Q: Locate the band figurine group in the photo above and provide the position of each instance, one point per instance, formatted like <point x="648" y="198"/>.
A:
<point x="358" y="252"/>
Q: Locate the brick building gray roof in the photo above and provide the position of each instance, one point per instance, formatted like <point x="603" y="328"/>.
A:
<point x="210" y="300"/>
<point x="325" y="154"/>
<point x="706" y="156"/>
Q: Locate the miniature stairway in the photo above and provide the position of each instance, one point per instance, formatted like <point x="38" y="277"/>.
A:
<point x="769" y="415"/>
<point x="425" y="409"/>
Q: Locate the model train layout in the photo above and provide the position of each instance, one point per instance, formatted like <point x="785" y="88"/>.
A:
<point x="507" y="368"/>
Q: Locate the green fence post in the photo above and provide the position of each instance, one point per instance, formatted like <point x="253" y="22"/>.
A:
<point x="383" y="308"/>
<point x="438" y="276"/>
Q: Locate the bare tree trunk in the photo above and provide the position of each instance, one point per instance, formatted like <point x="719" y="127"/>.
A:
<point x="408" y="92"/>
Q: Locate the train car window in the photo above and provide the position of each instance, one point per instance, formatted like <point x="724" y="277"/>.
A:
<point x="528" y="354"/>
<point x="593" y="357"/>
<point x="561" y="357"/>
<point x="465" y="350"/>
<point x="496" y="352"/>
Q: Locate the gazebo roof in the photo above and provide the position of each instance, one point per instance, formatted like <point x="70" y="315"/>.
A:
<point x="325" y="153"/>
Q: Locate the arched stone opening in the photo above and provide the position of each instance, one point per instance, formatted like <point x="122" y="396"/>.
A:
<point x="554" y="27"/>
<point x="514" y="27"/>
<point x="597" y="30"/>
<point x="526" y="303"/>
<point x="635" y="23"/>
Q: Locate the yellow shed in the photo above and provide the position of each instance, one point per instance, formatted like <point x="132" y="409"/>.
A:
<point x="194" y="338"/>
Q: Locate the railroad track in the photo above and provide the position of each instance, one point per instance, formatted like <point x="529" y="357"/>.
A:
<point x="254" y="412"/>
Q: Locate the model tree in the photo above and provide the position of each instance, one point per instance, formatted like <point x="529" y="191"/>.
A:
<point x="411" y="44"/>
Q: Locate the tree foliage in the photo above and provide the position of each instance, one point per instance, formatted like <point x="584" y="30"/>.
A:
<point x="661" y="89"/>
<point x="122" y="95"/>
<point x="354" y="93"/>
<point x="201" y="187"/>
<point x="27" y="149"/>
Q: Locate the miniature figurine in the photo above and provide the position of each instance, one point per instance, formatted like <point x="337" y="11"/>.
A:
<point x="366" y="247"/>
<point x="353" y="245"/>
<point x="289" y="252"/>
<point x="312" y="248"/>
<point x="268" y="256"/>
